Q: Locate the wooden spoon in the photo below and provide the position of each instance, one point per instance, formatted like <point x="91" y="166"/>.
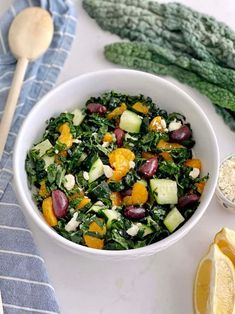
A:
<point x="29" y="37"/>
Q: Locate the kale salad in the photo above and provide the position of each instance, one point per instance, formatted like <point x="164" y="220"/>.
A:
<point x="118" y="174"/>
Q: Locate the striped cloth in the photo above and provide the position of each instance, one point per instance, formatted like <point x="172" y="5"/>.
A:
<point x="24" y="284"/>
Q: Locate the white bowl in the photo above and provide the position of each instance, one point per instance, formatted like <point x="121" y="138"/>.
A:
<point x="73" y="94"/>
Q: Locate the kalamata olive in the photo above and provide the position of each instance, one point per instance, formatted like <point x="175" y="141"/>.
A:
<point x="180" y="135"/>
<point x="60" y="203"/>
<point x="126" y="192"/>
<point x="119" y="134"/>
<point x="96" y="108"/>
<point x="187" y="200"/>
<point x="149" y="168"/>
<point x="133" y="212"/>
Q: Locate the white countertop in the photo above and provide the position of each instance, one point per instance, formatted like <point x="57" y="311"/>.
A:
<point x="160" y="284"/>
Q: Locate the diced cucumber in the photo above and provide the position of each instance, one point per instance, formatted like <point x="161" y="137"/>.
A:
<point x="97" y="207"/>
<point x="173" y="219"/>
<point x="96" y="170"/>
<point x="43" y="147"/>
<point x="130" y="122"/>
<point x="111" y="215"/>
<point x="78" y="116"/>
<point x="146" y="229"/>
<point x="164" y="190"/>
<point x="48" y="160"/>
<point x="140" y="229"/>
<point x="83" y="157"/>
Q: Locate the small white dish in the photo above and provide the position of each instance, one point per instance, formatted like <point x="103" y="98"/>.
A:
<point x="224" y="201"/>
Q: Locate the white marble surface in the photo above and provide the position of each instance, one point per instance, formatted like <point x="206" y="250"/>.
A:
<point x="161" y="284"/>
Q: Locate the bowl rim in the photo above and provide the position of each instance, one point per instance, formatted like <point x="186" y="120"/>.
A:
<point x="149" y="249"/>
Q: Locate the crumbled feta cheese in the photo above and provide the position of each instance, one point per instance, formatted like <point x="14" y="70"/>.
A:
<point x="77" y="141"/>
<point x="133" y="230"/>
<point x="226" y="179"/>
<point x="128" y="136"/>
<point x="163" y="123"/>
<point x="105" y="144"/>
<point x="72" y="224"/>
<point x="69" y="181"/>
<point x="56" y="151"/>
<point x="160" y="125"/>
<point x="194" y="173"/>
<point x="86" y="175"/>
<point x="108" y="171"/>
<point x="99" y="203"/>
<point x="174" y="125"/>
<point x="131" y="164"/>
<point x="114" y="208"/>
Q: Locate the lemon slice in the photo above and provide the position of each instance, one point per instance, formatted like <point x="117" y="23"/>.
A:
<point x="214" y="289"/>
<point x="225" y="239"/>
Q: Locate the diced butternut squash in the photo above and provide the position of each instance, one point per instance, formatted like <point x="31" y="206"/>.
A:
<point x="62" y="153"/>
<point x="168" y="146"/>
<point x="166" y="156"/>
<point x="116" y="199"/>
<point x="156" y="124"/>
<point x="194" y="163"/>
<point x="108" y="137"/>
<point x="200" y="186"/>
<point x="48" y="213"/>
<point x="148" y="155"/>
<point x="120" y="159"/>
<point x="138" y="106"/>
<point x="43" y="192"/>
<point x="138" y="196"/>
<point x="65" y="135"/>
<point x="92" y="241"/>
<point x="117" y="111"/>
<point x="83" y="202"/>
<point x="76" y="195"/>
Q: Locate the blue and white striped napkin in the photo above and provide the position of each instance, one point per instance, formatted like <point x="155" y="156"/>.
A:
<point x="24" y="284"/>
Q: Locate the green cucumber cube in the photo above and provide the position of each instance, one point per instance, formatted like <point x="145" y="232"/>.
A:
<point x="111" y="215"/>
<point x="130" y="122"/>
<point x="164" y="190"/>
<point x="43" y="147"/>
<point x="78" y="117"/>
<point x="173" y="219"/>
<point x="96" y="170"/>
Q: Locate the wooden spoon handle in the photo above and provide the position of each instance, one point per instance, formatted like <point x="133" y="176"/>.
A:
<point x="12" y="101"/>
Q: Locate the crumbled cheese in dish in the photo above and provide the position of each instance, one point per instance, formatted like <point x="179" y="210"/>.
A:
<point x="128" y="136"/>
<point x="163" y="123"/>
<point x="86" y="175"/>
<point x="131" y="164"/>
<point x="77" y="141"/>
<point x="194" y="173"/>
<point x="69" y="182"/>
<point x="105" y="144"/>
<point x="174" y="125"/>
<point x="72" y="224"/>
<point x="133" y="230"/>
<point x="226" y="180"/>
<point x="108" y="171"/>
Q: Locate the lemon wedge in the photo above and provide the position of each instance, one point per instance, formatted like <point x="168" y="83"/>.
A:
<point x="214" y="289"/>
<point x="225" y="239"/>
